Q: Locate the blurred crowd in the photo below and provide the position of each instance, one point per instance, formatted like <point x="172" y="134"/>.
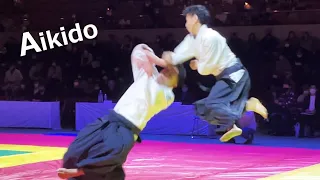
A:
<point x="20" y="15"/>
<point x="284" y="73"/>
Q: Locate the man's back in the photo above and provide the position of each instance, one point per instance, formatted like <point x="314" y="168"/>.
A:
<point x="145" y="97"/>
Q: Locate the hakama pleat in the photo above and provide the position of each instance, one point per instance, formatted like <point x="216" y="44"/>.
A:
<point x="101" y="148"/>
<point x="227" y="100"/>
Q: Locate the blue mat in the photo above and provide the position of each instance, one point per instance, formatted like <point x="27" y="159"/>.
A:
<point x="62" y="134"/>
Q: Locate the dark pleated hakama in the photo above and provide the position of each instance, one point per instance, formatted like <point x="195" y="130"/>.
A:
<point x="101" y="148"/>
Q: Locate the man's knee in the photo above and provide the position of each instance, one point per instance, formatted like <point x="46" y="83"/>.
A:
<point x="215" y="107"/>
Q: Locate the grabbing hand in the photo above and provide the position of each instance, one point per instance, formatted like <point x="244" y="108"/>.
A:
<point x="194" y="64"/>
<point x="167" y="56"/>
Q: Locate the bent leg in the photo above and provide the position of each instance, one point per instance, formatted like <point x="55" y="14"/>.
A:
<point x="248" y="134"/>
<point x="233" y="132"/>
<point x="86" y="139"/>
<point x="253" y="104"/>
<point x="216" y="108"/>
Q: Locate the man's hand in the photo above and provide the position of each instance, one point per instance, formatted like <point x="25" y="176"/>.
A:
<point x="167" y="56"/>
<point x="194" y="64"/>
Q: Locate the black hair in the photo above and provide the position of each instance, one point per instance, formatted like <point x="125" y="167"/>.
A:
<point x="181" y="75"/>
<point x="201" y="11"/>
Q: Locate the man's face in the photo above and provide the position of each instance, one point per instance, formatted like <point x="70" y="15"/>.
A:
<point x="190" y="22"/>
<point x="111" y="84"/>
<point x="169" y="76"/>
<point x="313" y="90"/>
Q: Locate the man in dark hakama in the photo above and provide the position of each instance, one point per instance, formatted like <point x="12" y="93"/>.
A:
<point x="228" y="98"/>
<point x="101" y="148"/>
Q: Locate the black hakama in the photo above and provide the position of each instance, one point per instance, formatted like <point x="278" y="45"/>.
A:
<point x="101" y="148"/>
<point x="227" y="99"/>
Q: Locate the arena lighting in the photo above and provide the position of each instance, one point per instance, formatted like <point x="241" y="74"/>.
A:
<point x="247" y="5"/>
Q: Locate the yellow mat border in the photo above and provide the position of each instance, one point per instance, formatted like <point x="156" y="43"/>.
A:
<point x="38" y="154"/>
<point x="304" y="173"/>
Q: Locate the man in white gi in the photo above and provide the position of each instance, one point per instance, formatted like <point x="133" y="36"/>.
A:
<point x="101" y="148"/>
<point x="228" y="98"/>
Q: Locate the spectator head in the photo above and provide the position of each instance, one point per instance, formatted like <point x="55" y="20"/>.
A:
<point x="286" y="86"/>
<point x="12" y="67"/>
<point x="127" y="38"/>
<point x="291" y="35"/>
<point x="234" y="35"/>
<point x="158" y="39"/>
<point x="3" y="50"/>
<point x="120" y="80"/>
<point x="96" y="87"/>
<point x="288" y="75"/>
<point x="147" y="3"/>
<point x="42" y="88"/>
<point x="76" y="83"/>
<point x="306" y="35"/>
<point x="36" y="84"/>
<point x="306" y="89"/>
<point x="252" y="37"/>
<point x="69" y="47"/>
<point x="299" y="53"/>
<point x="105" y="78"/>
<point x="74" y="49"/>
<point x="111" y="84"/>
<point x="34" y="56"/>
<point x="313" y="90"/>
<point x="281" y="57"/>
<point x="85" y="52"/>
<point x="39" y="65"/>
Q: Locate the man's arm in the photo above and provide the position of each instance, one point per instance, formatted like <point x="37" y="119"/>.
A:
<point x="155" y="59"/>
<point x="182" y="53"/>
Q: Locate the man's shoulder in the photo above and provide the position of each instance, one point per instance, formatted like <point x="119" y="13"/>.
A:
<point x="210" y="34"/>
<point x="212" y="37"/>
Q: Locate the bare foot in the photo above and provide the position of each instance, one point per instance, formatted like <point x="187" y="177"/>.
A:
<point x="235" y="131"/>
<point x="253" y="104"/>
<point x="64" y="173"/>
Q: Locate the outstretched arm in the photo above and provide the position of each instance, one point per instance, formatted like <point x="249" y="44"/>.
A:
<point x="155" y="59"/>
<point x="182" y="53"/>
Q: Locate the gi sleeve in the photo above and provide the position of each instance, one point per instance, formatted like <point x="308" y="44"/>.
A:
<point x="141" y="65"/>
<point x="184" y="51"/>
